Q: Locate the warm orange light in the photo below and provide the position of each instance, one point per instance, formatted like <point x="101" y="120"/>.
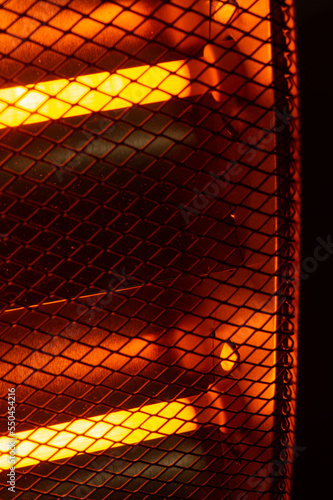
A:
<point x="98" y="433"/>
<point x="223" y="12"/>
<point x="143" y="85"/>
<point x="228" y="356"/>
<point x="93" y="93"/>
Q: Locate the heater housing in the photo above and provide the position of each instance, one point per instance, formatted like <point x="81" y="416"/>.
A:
<point x="149" y="249"/>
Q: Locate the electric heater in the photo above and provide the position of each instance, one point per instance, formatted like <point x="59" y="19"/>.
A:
<point x="149" y="249"/>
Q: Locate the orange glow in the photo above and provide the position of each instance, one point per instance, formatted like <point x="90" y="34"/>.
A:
<point x="229" y="357"/>
<point x="223" y="12"/>
<point x="124" y="427"/>
<point x="93" y="93"/>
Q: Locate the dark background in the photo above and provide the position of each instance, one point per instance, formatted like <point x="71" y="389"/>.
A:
<point x="313" y="472"/>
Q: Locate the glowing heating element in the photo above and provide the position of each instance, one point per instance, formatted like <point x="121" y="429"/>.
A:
<point x="97" y="92"/>
<point x="95" y="434"/>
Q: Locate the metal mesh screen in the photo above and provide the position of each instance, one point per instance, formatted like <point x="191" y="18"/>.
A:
<point x="146" y="248"/>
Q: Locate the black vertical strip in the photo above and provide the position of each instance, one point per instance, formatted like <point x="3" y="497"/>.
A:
<point x="313" y="465"/>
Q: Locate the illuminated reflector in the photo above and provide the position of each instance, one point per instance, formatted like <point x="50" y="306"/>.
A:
<point x="95" y="434"/>
<point x="223" y="12"/>
<point x="99" y="92"/>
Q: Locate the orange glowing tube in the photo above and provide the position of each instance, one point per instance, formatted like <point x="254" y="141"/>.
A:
<point x="124" y="427"/>
<point x="86" y="94"/>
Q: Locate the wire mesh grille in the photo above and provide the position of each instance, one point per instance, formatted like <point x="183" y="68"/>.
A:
<point x="146" y="248"/>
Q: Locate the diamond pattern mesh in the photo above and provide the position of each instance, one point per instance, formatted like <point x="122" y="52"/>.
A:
<point x="146" y="248"/>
